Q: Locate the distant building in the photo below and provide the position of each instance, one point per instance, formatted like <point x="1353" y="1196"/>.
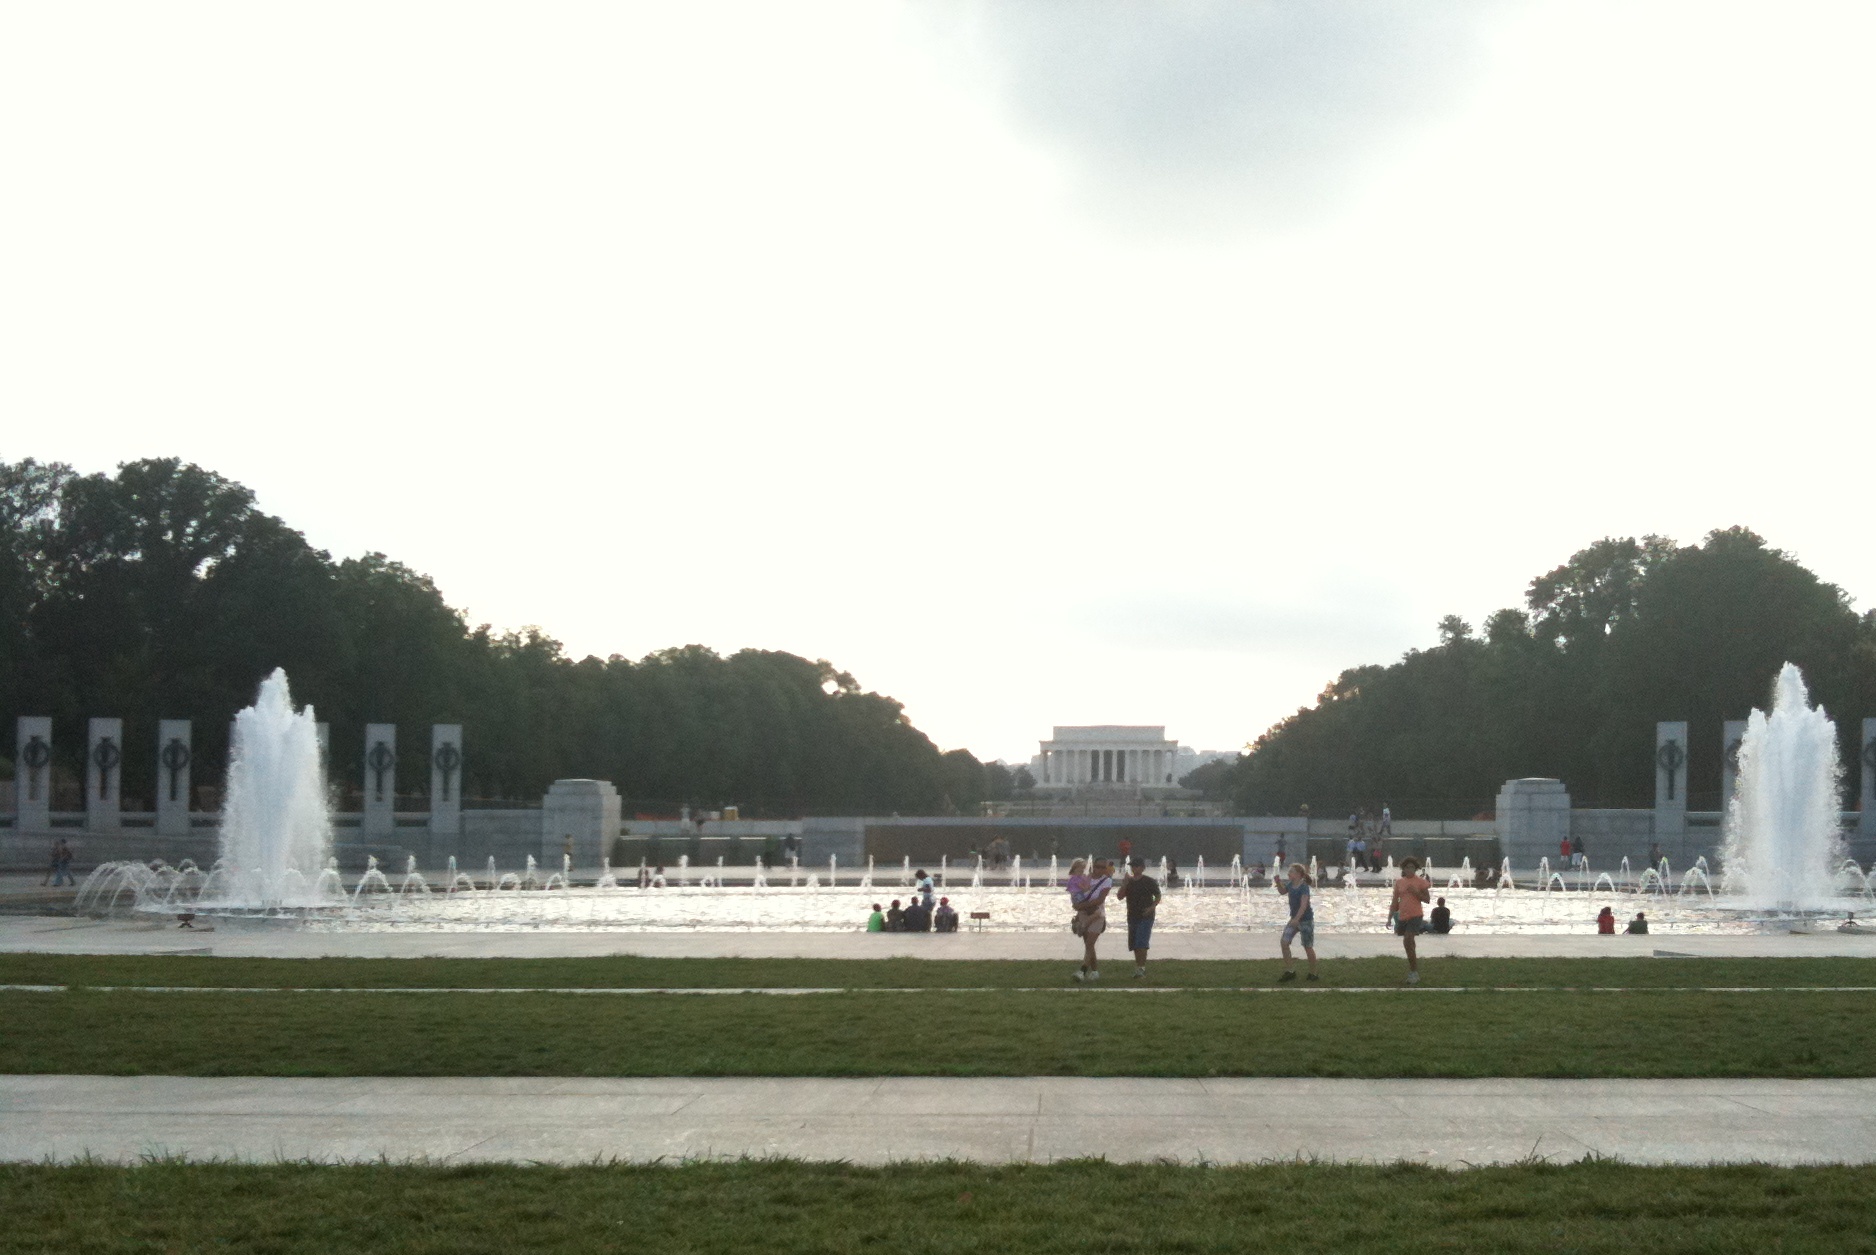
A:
<point x="1108" y="759"/>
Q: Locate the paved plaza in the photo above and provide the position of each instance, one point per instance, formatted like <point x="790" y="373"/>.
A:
<point x="991" y="1120"/>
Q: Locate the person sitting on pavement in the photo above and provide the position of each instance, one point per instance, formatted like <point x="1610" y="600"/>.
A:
<point x="895" y="918"/>
<point x="1605" y="922"/>
<point x="1442" y="921"/>
<point x="1639" y="925"/>
<point x="917" y="917"/>
<point x="946" y="918"/>
<point x="876" y="922"/>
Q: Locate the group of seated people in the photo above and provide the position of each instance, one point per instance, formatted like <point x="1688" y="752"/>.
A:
<point x="1605" y="922"/>
<point x="916" y="916"/>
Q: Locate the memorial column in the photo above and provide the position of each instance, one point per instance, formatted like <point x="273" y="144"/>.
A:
<point x="380" y="818"/>
<point x="174" y="756"/>
<point x="1866" y="818"/>
<point x="1732" y="734"/>
<point x="446" y="780"/>
<point x="1671" y="789"/>
<point x="32" y="774"/>
<point x="104" y="764"/>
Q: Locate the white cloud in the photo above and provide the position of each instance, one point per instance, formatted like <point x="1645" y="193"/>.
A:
<point x="1206" y="111"/>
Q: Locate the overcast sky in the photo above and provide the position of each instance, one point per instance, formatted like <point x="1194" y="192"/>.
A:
<point x="1041" y="362"/>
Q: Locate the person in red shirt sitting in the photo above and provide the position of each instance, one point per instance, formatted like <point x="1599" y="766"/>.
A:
<point x="1605" y="922"/>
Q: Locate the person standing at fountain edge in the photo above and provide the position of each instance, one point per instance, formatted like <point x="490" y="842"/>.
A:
<point x="59" y="871"/>
<point x="1410" y="894"/>
<point x="1141" y="894"/>
<point x="1302" y="923"/>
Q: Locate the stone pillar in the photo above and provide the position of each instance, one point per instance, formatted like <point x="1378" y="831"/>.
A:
<point x="1670" y="780"/>
<point x="446" y="780"/>
<point x="583" y="811"/>
<point x="380" y="780"/>
<point x="1866" y="819"/>
<point x="32" y="774"/>
<point x="104" y="773"/>
<point x="1533" y="820"/>
<point x="1732" y="732"/>
<point x="174" y="755"/>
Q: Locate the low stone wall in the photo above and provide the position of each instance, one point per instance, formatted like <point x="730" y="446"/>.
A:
<point x="1183" y="840"/>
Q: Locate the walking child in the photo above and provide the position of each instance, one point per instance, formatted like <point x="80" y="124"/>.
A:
<point x="1302" y="923"/>
<point x="1141" y="894"/>
<point x="1406" y="906"/>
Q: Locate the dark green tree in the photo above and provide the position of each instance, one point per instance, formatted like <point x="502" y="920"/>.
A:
<point x="1626" y="633"/>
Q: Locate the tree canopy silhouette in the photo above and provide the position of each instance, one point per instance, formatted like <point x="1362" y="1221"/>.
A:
<point x="1627" y="632"/>
<point x="162" y="591"/>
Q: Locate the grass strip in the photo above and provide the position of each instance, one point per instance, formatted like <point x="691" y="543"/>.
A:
<point x="936" y="1209"/>
<point x="1187" y="1033"/>
<point x="627" y="971"/>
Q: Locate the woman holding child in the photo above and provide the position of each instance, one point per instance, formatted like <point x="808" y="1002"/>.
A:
<point x="1088" y="895"/>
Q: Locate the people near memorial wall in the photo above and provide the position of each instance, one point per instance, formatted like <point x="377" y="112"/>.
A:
<point x="1605" y="922"/>
<point x="895" y="917"/>
<point x="1639" y="924"/>
<point x="945" y="919"/>
<point x="59" y="867"/>
<point x="1442" y="918"/>
<point x="876" y="922"/>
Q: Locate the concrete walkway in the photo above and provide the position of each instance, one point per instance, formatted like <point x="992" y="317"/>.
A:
<point x="992" y="1120"/>
<point x="65" y="935"/>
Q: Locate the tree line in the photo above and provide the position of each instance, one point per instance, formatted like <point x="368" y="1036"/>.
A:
<point x="1627" y="632"/>
<point x="161" y="591"/>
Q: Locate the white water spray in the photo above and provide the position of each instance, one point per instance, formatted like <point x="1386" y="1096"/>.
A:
<point x="275" y="833"/>
<point x="1783" y="839"/>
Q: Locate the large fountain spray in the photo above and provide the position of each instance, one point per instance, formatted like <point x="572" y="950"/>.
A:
<point x="1783" y="839"/>
<point x="275" y="833"/>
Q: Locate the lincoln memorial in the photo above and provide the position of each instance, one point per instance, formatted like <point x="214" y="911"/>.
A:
<point x="1107" y="755"/>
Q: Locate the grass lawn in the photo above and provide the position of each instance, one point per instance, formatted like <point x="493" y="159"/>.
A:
<point x="89" y="969"/>
<point x="937" y="1033"/>
<point x="946" y="1207"/>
